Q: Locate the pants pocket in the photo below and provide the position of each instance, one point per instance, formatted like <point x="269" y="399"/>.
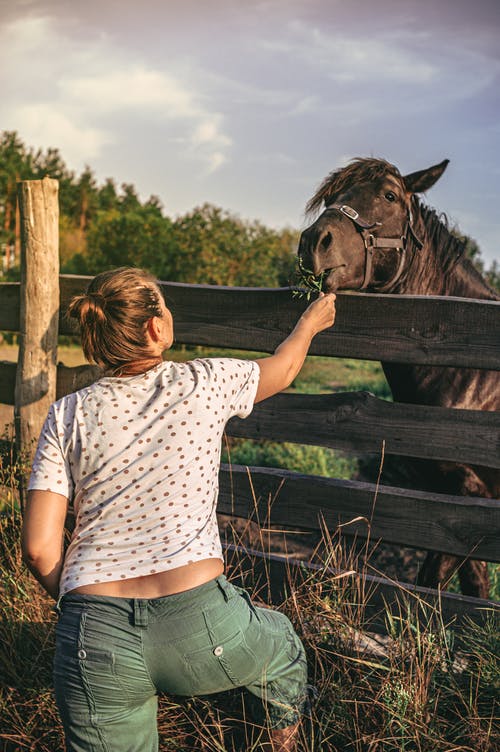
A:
<point x="227" y="664"/>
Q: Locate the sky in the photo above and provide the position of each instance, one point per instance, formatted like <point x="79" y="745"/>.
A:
<point x="248" y="105"/>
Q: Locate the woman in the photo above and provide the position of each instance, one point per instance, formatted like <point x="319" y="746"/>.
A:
<point x="143" y="602"/>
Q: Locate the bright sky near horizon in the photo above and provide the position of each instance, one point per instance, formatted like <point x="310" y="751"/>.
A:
<point x="248" y="105"/>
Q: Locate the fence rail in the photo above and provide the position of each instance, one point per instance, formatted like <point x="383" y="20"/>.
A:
<point x="352" y="421"/>
<point x="465" y="526"/>
<point x="448" y="332"/>
<point x="370" y="597"/>
<point x="395" y="328"/>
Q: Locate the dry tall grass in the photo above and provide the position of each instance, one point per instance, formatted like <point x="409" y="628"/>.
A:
<point x="420" y="688"/>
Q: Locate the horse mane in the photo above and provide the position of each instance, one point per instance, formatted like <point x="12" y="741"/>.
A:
<point x="359" y="170"/>
<point x="448" y="248"/>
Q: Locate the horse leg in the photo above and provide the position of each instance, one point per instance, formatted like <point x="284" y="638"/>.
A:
<point x="474" y="578"/>
<point x="437" y="569"/>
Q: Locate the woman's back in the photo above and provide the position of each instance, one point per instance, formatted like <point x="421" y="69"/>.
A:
<point x="139" y="456"/>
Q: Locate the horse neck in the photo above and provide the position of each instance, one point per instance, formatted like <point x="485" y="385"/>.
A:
<point x="439" y="268"/>
<point x="462" y="281"/>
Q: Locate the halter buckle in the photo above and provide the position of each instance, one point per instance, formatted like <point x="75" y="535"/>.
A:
<point x="369" y="239"/>
<point x="349" y="211"/>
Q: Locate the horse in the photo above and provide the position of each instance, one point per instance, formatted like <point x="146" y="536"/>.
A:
<point x="375" y="234"/>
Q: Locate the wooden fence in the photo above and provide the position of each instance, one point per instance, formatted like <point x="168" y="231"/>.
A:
<point x="416" y="330"/>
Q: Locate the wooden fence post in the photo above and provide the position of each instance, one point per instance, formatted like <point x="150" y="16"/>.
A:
<point x="39" y="315"/>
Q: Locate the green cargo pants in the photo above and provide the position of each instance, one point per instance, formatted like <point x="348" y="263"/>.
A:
<point x="113" y="656"/>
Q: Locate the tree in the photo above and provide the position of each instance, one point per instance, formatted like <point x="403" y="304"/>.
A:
<point x="493" y="276"/>
<point x="472" y="251"/>
<point x="140" y="237"/>
<point x="16" y="163"/>
<point x="129" y="200"/>
<point x="87" y="198"/>
<point x="107" y="197"/>
<point x="215" y="247"/>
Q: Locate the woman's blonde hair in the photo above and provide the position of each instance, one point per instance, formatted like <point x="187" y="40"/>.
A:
<point x="112" y="315"/>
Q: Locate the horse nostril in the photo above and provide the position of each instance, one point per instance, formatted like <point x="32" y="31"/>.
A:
<point x="326" y="241"/>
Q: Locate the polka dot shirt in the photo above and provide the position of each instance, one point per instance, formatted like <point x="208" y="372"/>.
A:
<point x="138" y="457"/>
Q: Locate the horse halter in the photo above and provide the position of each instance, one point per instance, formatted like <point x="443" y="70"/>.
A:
<point x="372" y="242"/>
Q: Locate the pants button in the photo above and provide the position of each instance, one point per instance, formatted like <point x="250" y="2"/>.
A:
<point x="218" y="650"/>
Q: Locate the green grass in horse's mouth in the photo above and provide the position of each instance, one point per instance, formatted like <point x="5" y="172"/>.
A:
<point x="311" y="282"/>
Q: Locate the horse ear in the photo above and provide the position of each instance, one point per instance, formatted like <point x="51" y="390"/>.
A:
<point x="418" y="182"/>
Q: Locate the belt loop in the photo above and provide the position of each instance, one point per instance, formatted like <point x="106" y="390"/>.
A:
<point x="140" y="612"/>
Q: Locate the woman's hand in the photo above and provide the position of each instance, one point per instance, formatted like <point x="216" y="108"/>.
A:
<point x="320" y="314"/>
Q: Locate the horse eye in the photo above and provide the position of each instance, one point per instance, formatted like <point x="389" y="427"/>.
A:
<point x="390" y="196"/>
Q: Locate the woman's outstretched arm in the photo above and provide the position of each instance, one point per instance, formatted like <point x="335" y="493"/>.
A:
<point x="279" y="370"/>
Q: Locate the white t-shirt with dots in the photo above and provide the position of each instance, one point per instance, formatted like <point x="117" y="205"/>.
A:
<point x="138" y="457"/>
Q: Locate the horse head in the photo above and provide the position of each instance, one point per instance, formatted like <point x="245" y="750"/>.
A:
<point x="362" y="239"/>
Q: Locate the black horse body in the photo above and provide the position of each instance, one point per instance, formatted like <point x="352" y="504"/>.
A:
<point x="376" y="235"/>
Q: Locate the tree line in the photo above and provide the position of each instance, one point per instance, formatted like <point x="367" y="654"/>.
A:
<point x="103" y="226"/>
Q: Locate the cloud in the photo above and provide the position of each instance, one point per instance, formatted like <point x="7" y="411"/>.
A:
<point x="398" y="57"/>
<point x="344" y="58"/>
<point x="132" y="87"/>
<point x="41" y="124"/>
<point x="78" y="91"/>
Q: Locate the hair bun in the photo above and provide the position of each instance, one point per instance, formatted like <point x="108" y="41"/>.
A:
<point x="97" y="298"/>
<point x="88" y="306"/>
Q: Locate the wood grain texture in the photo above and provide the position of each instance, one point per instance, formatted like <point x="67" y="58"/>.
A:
<point x="35" y="386"/>
<point x="350" y="421"/>
<point x="422" y="329"/>
<point x="360" y="422"/>
<point x="462" y="525"/>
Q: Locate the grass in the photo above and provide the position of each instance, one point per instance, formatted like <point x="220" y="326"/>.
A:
<point x="420" y="688"/>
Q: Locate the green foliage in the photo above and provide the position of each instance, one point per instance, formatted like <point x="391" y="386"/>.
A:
<point x="492" y="276"/>
<point x="473" y="252"/>
<point x="134" y="236"/>
<point x="300" y="458"/>
<point x="102" y="227"/>
<point x="325" y="375"/>
<point x="214" y="247"/>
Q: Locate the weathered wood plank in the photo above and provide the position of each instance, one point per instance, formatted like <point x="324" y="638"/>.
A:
<point x="368" y="599"/>
<point x="372" y="327"/>
<point x="351" y="421"/>
<point x="78" y="377"/>
<point x="452" y="524"/>
<point x="360" y="422"/>
<point x="68" y="379"/>
<point x="39" y="309"/>
<point x="406" y="329"/>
